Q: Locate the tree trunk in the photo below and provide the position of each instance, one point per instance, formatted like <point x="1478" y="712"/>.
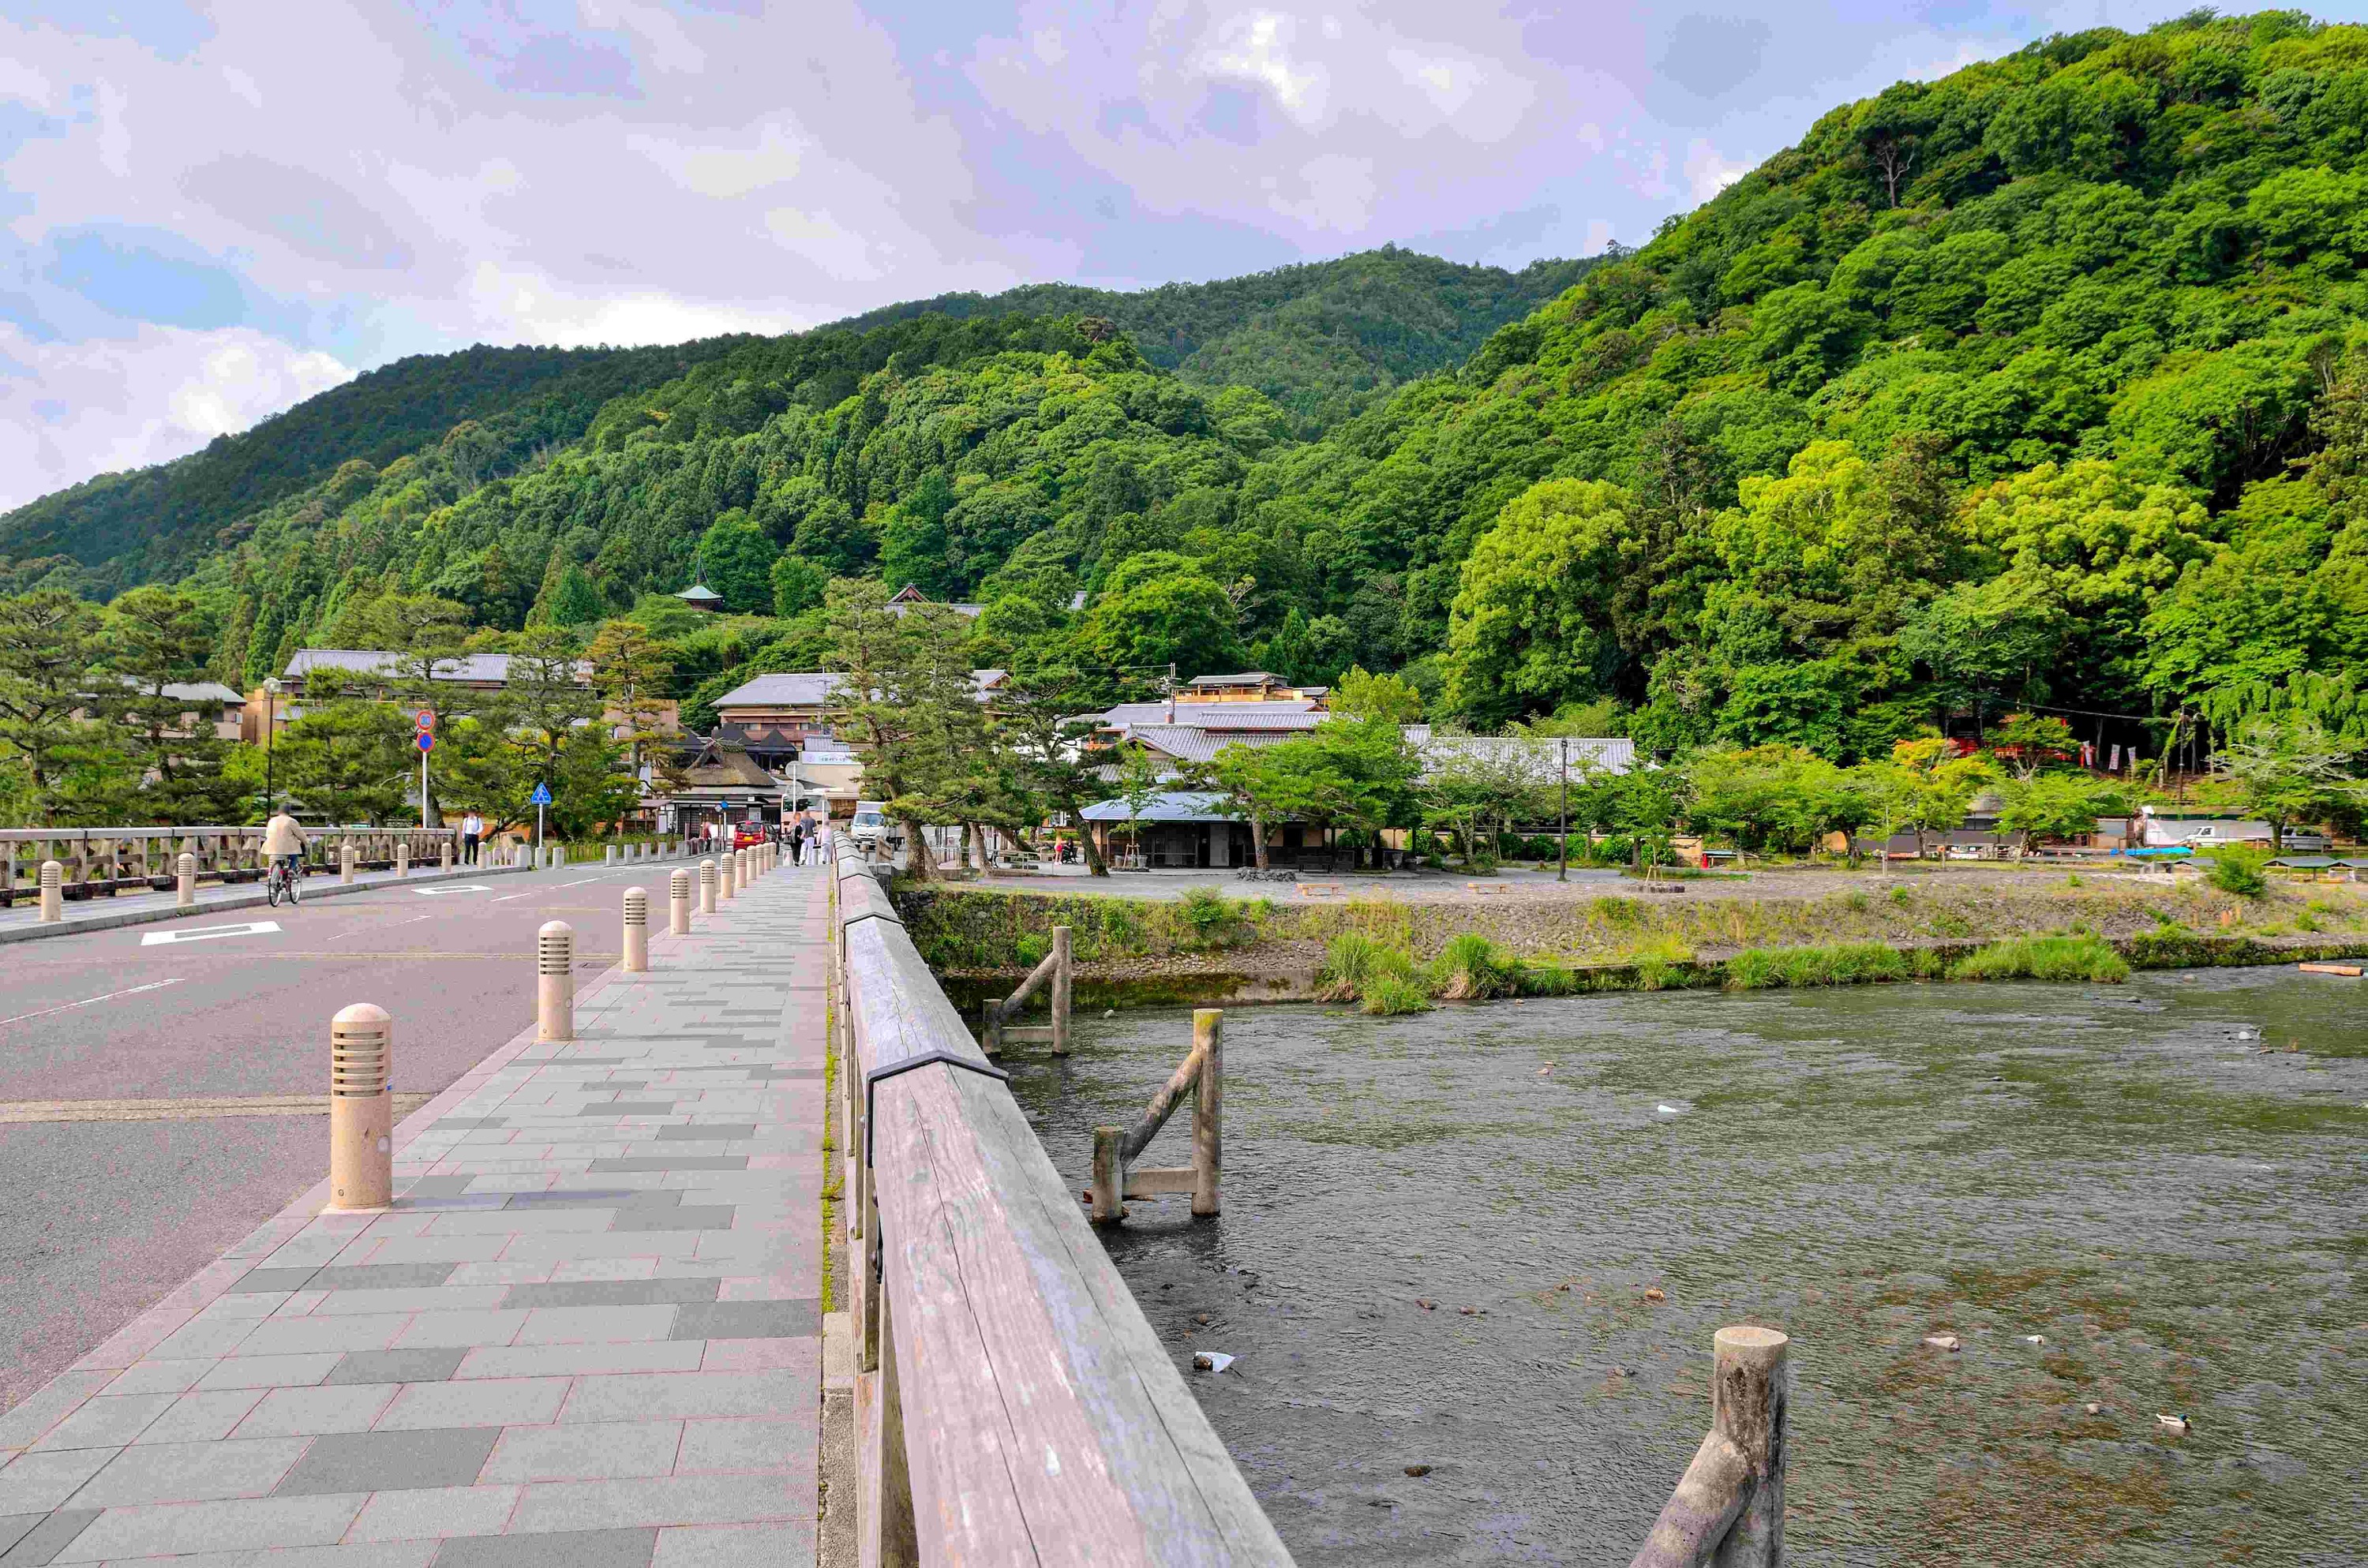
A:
<point x="986" y="856"/>
<point x="919" y="858"/>
<point x="1093" y="852"/>
<point x="1257" y="840"/>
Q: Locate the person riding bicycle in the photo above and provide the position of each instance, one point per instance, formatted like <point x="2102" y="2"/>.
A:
<point x="283" y="843"/>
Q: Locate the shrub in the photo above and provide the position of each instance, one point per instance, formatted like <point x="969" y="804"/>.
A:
<point x="2240" y="872"/>
<point x="1857" y="902"/>
<point x="1614" y="851"/>
<point x="1901" y="897"/>
<point x="1031" y="947"/>
<point x="1470" y="968"/>
<point x="1839" y="963"/>
<point x="2043" y="957"/>
<point x="1392" y="995"/>
<point x="1614" y="911"/>
<point x="1354" y="963"/>
<point x="1214" y="919"/>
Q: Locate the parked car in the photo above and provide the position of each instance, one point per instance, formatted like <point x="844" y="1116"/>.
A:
<point x="747" y="833"/>
<point x="2307" y="841"/>
<point x="2222" y="835"/>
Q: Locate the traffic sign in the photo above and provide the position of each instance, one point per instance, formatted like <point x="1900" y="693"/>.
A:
<point x="427" y="741"/>
<point x="427" y="719"/>
<point x="542" y="796"/>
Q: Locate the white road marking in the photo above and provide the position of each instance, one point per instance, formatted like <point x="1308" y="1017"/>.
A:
<point x="464" y="887"/>
<point x="208" y="933"/>
<point x="68" y="1006"/>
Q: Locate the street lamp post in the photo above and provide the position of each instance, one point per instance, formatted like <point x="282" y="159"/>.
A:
<point x="1561" y="840"/>
<point x="270" y="725"/>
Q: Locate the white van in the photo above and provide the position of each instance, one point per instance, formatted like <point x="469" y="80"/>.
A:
<point x="871" y="828"/>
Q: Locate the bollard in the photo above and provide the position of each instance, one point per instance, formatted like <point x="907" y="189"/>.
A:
<point x="53" y="891"/>
<point x="724" y="867"/>
<point x="346" y="863"/>
<point x="678" y="902"/>
<point x="186" y="876"/>
<point x="403" y="857"/>
<point x="707" y="885"/>
<point x="637" y="931"/>
<point x="444" y="855"/>
<point x="608" y="854"/>
<point x="361" y="1110"/>
<point x="554" y="982"/>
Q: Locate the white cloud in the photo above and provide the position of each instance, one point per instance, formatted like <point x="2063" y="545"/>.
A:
<point x="154" y="395"/>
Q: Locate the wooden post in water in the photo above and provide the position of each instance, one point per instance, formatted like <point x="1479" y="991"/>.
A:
<point x="1108" y="1208"/>
<point x="1207" y="1103"/>
<point x="1061" y="991"/>
<point x="1728" y="1508"/>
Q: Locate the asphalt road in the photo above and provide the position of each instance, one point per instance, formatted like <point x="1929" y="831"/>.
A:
<point x="99" y="1219"/>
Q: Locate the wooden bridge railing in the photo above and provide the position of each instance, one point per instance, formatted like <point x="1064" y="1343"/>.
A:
<point x="1012" y="1404"/>
<point x="107" y="860"/>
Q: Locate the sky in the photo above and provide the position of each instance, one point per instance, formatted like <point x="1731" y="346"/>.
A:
<point x="209" y="212"/>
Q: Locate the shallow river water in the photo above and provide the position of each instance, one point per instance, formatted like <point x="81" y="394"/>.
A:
<point x="2120" y="1170"/>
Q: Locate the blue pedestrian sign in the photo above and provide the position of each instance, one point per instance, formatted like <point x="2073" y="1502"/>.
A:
<point x="542" y="796"/>
<point x="427" y="741"/>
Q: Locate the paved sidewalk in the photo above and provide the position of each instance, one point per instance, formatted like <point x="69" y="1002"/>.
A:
<point x="586" y="1336"/>
<point x="21" y="922"/>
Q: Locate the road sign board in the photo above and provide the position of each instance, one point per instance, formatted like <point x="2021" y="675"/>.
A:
<point x="426" y="718"/>
<point x="542" y="796"/>
<point x="427" y="741"/>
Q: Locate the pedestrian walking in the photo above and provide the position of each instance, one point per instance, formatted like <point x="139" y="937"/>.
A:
<point x="473" y="833"/>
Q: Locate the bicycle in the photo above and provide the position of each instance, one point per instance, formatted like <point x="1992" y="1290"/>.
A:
<point x="283" y="880"/>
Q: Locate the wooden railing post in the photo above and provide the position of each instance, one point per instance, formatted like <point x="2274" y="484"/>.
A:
<point x="1108" y="1208"/>
<point x="1728" y="1508"/>
<point x="1061" y="986"/>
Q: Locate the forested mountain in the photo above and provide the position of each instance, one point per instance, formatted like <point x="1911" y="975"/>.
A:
<point x="154" y="523"/>
<point x="1323" y="340"/>
<point x="2038" y="385"/>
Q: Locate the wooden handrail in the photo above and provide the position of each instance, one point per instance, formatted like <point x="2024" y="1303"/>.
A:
<point x="1013" y="1404"/>
<point x="1728" y="1508"/>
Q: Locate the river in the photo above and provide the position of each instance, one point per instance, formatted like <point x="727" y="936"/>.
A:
<point x="2163" y="1181"/>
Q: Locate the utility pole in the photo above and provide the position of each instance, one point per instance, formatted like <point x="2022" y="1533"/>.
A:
<point x="270" y="727"/>
<point x="1562" y="838"/>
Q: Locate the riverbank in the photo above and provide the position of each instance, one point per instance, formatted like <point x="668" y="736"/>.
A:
<point x="1208" y="947"/>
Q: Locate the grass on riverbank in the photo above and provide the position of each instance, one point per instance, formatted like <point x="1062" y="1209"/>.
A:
<point x="2044" y="957"/>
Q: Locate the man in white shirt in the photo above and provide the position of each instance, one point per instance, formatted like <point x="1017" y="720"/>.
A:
<point x="473" y="833"/>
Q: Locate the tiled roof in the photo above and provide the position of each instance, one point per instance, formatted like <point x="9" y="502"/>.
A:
<point x="1176" y="805"/>
<point x="803" y="688"/>
<point x="1190" y="743"/>
<point x="487" y="669"/>
<point x="1283" y="714"/>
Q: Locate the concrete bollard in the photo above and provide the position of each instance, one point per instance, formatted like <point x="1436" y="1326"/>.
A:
<point x="361" y="1108"/>
<point x="185" y="877"/>
<point x="707" y="885"/>
<point x="608" y="854"/>
<point x="403" y="857"/>
<point x="444" y="855"/>
<point x="637" y="931"/>
<point x="724" y="865"/>
<point x="53" y="891"/>
<point x="678" y="902"/>
<point x="345" y="864"/>
<point x="554" y="982"/>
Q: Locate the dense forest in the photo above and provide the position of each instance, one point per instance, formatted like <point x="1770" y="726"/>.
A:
<point x="2042" y="387"/>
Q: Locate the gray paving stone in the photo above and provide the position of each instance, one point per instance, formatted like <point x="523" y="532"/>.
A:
<point x="631" y="1108"/>
<point x="750" y="1443"/>
<point x="435" y="1511"/>
<point x="466" y="1330"/>
<point x="579" y="1326"/>
<point x="246" y="1524"/>
<point x="469" y="1124"/>
<point x="190" y="1472"/>
<point x="202" y="1417"/>
<point x="556" y="1549"/>
<point x="557" y="1361"/>
<point x="439" y="1185"/>
<point x="382" y="1276"/>
<point x="613" y="1293"/>
<point x="798" y="1318"/>
<point x="291" y="1413"/>
<point x="663" y="1500"/>
<point x="591" y="1452"/>
<point x="476" y="1402"/>
<point x="689" y="1217"/>
<point x="107" y="1422"/>
<point x="14" y="1527"/>
<point x="734" y="1546"/>
<point x="427" y="1365"/>
<point x="296" y="1337"/>
<point x="37" y="1483"/>
<point x="621" y="1164"/>
<point x="389" y="1461"/>
<point x="269" y="1371"/>
<point x="713" y="1133"/>
<point x="255" y="1279"/>
<point x="49" y="1534"/>
<point x="159" y="1377"/>
<point x="582" y="1197"/>
<point x="650" y="1396"/>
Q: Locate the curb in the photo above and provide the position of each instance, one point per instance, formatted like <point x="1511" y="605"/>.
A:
<point x="236" y="901"/>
